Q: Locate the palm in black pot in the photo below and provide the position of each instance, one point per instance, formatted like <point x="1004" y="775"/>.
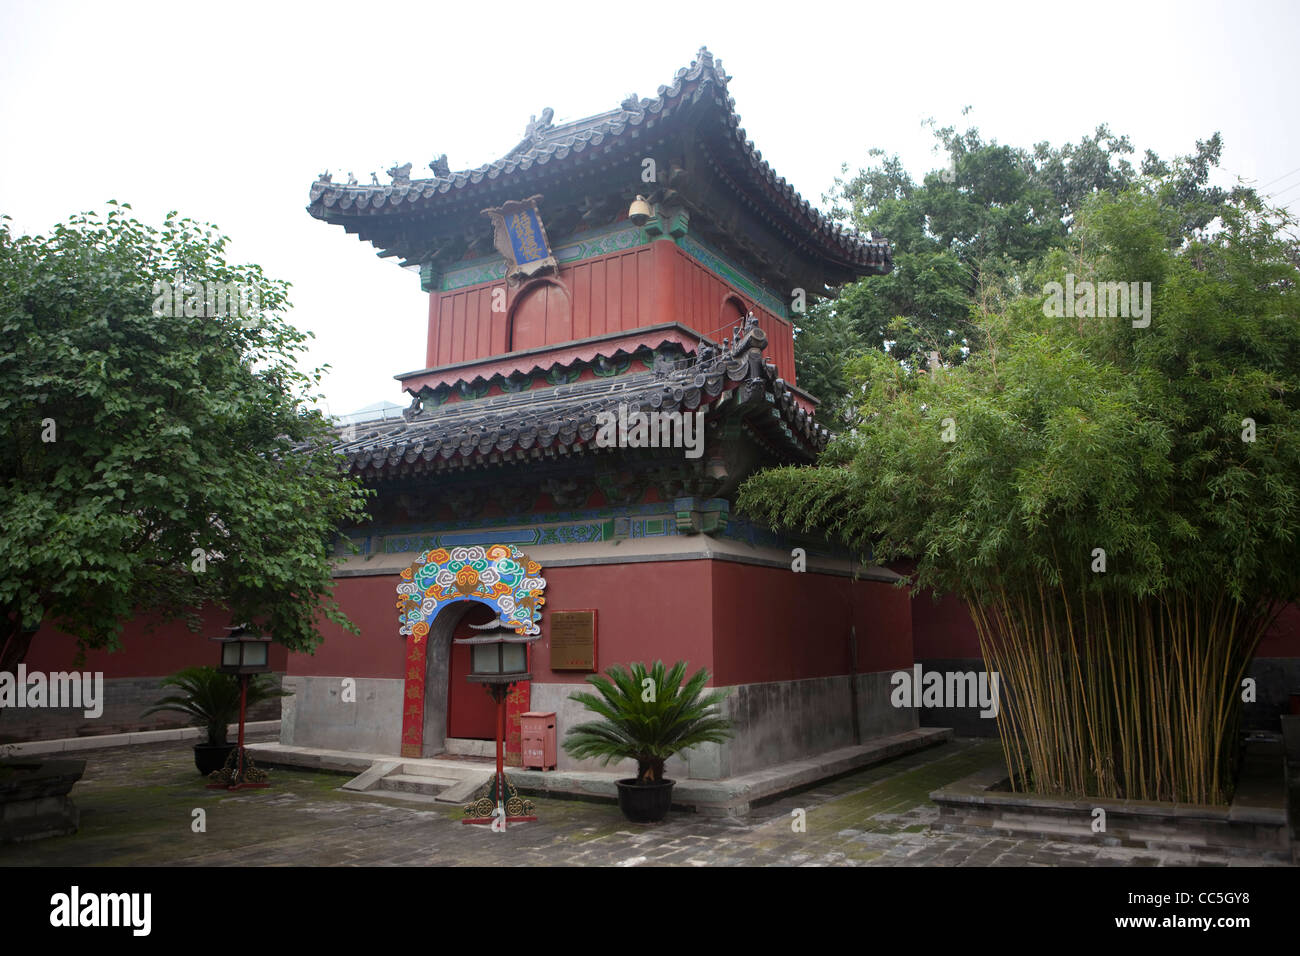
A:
<point x="647" y="716"/>
<point x="212" y="699"/>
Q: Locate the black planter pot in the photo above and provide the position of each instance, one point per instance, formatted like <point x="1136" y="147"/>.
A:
<point x="210" y="757"/>
<point x="645" y="802"/>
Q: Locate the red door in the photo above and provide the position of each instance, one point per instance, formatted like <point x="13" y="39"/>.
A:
<point x="471" y="711"/>
<point x="541" y="317"/>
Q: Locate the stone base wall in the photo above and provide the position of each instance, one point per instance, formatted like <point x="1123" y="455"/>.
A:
<point x="1276" y="678"/>
<point x="317" y="716"/>
<point x="775" y="722"/>
<point x="964" y="721"/>
<point x="125" y="701"/>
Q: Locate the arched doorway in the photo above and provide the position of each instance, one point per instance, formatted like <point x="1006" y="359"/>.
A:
<point x="444" y="691"/>
<point x="540" y="316"/>
<point x="440" y="594"/>
<point x="732" y="312"/>
<point x="471" y="711"/>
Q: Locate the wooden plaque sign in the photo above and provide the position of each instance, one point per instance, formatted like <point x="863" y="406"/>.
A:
<point x="573" y="640"/>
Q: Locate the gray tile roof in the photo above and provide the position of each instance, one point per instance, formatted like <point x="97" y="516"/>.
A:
<point x="547" y="144"/>
<point x="563" y="419"/>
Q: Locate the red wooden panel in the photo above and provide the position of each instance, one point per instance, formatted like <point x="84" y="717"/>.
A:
<point x="614" y="294"/>
<point x="500" y="334"/>
<point x="430" y="357"/>
<point x="458" y="328"/>
<point x="580" y="287"/>
<point x="599" y="323"/>
<point x="630" y="302"/>
<point x="680" y="277"/>
<point x="559" y="324"/>
<point x="444" y="330"/>
<point x="698" y="292"/>
<point x="731" y="313"/>
<point x="528" y="324"/>
<point x="644" y="284"/>
<point x="485" y="323"/>
<point x="472" y="302"/>
<point x="788" y="334"/>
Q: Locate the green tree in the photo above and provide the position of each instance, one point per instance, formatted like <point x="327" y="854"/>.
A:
<point x="156" y="463"/>
<point x="1117" y="503"/>
<point x="962" y="236"/>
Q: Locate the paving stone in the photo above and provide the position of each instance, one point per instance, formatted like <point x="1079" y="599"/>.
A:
<point x="136" y="806"/>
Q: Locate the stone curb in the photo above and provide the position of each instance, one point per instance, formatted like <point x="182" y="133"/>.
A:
<point x="104" y="741"/>
<point x="731" y="795"/>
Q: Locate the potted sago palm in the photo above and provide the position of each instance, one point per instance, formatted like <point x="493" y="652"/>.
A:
<point x="211" y="698"/>
<point x="647" y="716"/>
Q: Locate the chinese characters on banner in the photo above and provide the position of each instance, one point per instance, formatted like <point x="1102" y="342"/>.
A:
<point x="516" y="706"/>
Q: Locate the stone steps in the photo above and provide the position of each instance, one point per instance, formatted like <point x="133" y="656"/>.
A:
<point x="426" y="784"/>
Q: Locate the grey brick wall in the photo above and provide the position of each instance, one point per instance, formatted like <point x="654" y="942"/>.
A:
<point x="125" y="701"/>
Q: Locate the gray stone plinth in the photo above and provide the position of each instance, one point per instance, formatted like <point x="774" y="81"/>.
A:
<point x="34" y="801"/>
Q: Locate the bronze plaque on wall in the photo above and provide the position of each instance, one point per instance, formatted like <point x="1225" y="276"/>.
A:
<point x="573" y="640"/>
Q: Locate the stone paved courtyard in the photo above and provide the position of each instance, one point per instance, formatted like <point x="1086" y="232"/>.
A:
<point x="137" y="806"/>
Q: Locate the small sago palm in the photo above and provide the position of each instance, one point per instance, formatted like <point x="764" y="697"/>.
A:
<point x="212" y="698"/>
<point x="648" y="717"/>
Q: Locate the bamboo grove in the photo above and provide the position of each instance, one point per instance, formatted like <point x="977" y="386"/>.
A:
<point x="1118" y="505"/>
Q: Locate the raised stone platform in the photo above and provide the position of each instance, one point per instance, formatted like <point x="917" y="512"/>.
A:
<point x="1254" y="825"/>
<point x="101" y="741"/>
<point x="731" y="796"/>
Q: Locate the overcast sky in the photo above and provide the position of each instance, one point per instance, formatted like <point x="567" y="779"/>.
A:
<point x="227" y="112"/>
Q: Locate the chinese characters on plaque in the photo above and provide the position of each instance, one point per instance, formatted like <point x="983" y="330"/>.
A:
<point x="519" y="235"/>
<point x="573" y="640"/>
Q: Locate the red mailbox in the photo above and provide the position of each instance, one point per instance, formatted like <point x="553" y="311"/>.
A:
<point x="538" y="732"/>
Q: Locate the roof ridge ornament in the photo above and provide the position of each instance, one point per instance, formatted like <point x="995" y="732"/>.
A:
<point x="401" y="174"/>
<point x="537" y="127"/>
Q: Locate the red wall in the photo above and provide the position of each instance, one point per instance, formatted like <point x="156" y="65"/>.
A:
<point x="144" y="653"/>
<point x="743" y="622"/>
<point x="772" y="624"/>
<point x="617" y="292"/>
<point x="700" y="303"/>
<point x="1283" y="638"/>
<point x="944" y="629"/>
<point x="645" y="611"/>
<point x="378" y="651"/>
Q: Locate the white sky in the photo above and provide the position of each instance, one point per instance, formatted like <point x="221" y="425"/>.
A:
<point x="227" y="112"/>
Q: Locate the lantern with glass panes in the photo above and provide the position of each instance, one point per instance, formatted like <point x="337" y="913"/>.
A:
<point x="243" y="653"/>
<point x="498" y="658"/>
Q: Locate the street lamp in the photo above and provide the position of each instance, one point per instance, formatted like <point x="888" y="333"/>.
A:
<point x="243" y="653"/>
<point x="498" y="658"/>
